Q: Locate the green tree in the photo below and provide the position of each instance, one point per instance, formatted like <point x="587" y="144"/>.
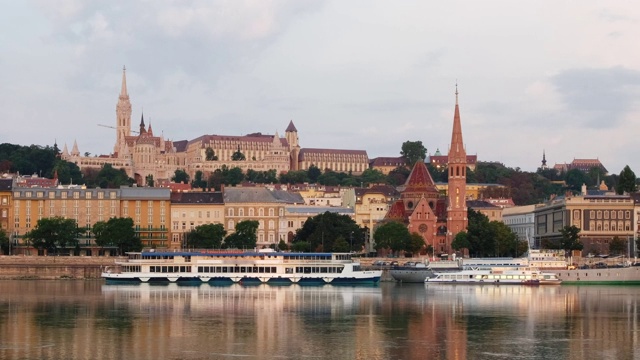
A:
<point x="398" y="176"/>
<point x="216" y="179"/>
<point x="118" y="233"/>
<point x="107" y="177"/>
<point x="617" y="246"/>
<point x="210" y="155"/>
<point x="233" y="176"/>
<point x="371" y="176"/>
<point x="294" y="177"/>
<point x="313" y="173"/>
<point x="301" y="246"/>
<point x="481" y="240"/>
<point x="244" y="237"/>
<point x="238" y="156"/>
<point x="506" y="239"/>
<point x="570" y="238"/>
<point x="340" y="245"/>
<point x="198" y="181"/>
<point x="415" y="243"/>
<point x="207" y="236"/>
<point x="461" y="241"/>
<point x="322" y="230"/>
<point x="68" y="173"/>
<point x="413" y="151"/>
<point x="54" y="233"/>
<point x="5" y="245"/>
<point x="180" y="176"/>
<point x="626" y="181"/>
<point x="392" y="235"/>
<point x="149" y="180"/>
<point x="282" y="246"/>
<point x="575" y="178"/>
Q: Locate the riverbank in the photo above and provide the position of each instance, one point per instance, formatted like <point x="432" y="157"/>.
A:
<point x="52" y="267"/>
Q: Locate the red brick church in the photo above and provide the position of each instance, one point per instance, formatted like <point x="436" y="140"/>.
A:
<point x="424" y="210"/>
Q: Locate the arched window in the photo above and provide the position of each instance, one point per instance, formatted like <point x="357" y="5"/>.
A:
<point x="241" y="212"/>
<point x="261" y="212"/>
<point x="271" y="212"/>
<point x="230" y="212"/>
<point x="231" y="225"/>
<point x="250" y="211"/>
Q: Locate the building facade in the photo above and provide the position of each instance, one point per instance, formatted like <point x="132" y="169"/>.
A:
<point x="521" y="220"/>
<point x="192" y="209"/>
<point x="600" y="219"/>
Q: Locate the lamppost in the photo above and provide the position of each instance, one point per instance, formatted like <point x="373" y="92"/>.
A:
<point x="351" y="248"/>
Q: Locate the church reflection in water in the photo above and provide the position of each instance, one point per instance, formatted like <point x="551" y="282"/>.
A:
<point x="79" y="320"/>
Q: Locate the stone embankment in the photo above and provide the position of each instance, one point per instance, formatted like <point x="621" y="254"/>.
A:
<point x="53" y="267"/>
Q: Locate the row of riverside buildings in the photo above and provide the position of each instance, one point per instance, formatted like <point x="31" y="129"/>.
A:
<point x="162" y="215"/>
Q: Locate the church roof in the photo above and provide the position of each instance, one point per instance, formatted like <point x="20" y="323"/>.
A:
<point x="419" y="180"/>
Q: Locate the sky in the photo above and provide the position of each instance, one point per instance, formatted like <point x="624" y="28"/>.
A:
<point x="561" y="78"/>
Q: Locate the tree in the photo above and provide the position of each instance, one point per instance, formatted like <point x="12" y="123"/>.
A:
<point x="68" y="173"/>
<point x="54" y="233"/>
<point x="413" y="151"/>
<point x="480" y="239"/>
<point x="322" y="230"/>
<point x="617" y="246"/>
<point x="415" y="243"/>
<point x="107" y="178"/>
<point x="506" y="239"/>
<point x="210" y="155"/>
<point x="282" y="246"/>
<point x="576" y="178"/>
<point x="301" y="246"/>
<point x="313" y="173"/>
<point x="5" y="245"/>
<point x="340" y="245"/>
<point x="180" y="176"/>
<point x="392" y="235"/>
<point x="570" y="238"/>
<point x="149" y="180"/>
<point x="207" y="236"/>
<point x="626" y="181"/>
<point x="233" y="176"/>
<point x="461" y="241"/>
<point x="118" y="233"/>
<point x="371" y="176"/>
<point x="238" y="156"/>
<point x="198" y="181"/>
<point x="244" y="237"/>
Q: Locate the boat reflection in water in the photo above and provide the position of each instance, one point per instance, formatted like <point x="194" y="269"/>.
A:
<point x="86" y="319"/>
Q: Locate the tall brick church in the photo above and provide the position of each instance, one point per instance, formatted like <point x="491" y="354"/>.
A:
<point x="424" y="210"/>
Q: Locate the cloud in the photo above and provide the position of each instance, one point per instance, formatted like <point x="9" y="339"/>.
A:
<point x="599" y="97"/>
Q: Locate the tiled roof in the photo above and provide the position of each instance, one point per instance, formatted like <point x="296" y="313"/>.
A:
<point x="145" y="193"/>
<point x="197" y="198"/>
<point x="319" y="210"/>
<point x="291" y="127"/>
<point x="181" y="145"/>
<point x="332" y="151"/>
<point x="481" y="204"/>
<point x="260" y="195"/>
<point x="388" y="161"/>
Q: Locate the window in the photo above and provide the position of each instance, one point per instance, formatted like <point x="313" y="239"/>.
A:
<point x="241" y="212"/>
<point x="76" y="195"/>
<point x="250" y="211"/>
<point x="87" y="195"/>
<point x="101" y="195"/>
<point x="271" y="212"/>
<point x="230" y="225"/>
<point x="230" y="212"/>
<point x="261" y="212"/>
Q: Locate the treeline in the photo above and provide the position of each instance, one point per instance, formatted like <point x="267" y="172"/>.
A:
<point x="522" y="186"/>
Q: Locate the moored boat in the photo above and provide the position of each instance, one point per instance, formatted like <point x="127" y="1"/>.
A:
<point x="256" y="267"/>
<point x="411" y="273"/>
<point x="497" y="277"/>
<point x="629" y="275"/>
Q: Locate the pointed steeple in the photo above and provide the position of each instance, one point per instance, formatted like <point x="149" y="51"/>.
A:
<point x="142" y="126"/>
<point x="276" y="139"/>
<point x="75" y="151"/>
<point x="123" y="90"/>
<point x="457" y="153"/>
<point x="291" y="127"/>
<point x="65" y="151"/>
<point x="544" y="160"/>
<point x="420" y="183"/>
<point x="149" y="130"/>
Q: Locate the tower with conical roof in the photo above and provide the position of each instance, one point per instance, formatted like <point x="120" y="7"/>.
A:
<point x="457" y="167"/>
<point x="123" y="115"/>
<point x="291" y="134"/>
<point x="544" y="166"/>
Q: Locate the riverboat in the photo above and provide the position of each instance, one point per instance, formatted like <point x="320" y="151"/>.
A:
<point x="411" y="273"/>
<point x="628" y="275"/>
<point x="492" y="276"/>
<point x="235" y="267"/>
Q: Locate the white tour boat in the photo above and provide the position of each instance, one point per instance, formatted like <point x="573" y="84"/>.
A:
<point x="260" y="267"/>
<point x="493" y="276"/>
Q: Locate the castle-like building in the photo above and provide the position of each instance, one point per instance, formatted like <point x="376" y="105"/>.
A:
<point x="143" y="154"/>
<point x="437" y="218"/>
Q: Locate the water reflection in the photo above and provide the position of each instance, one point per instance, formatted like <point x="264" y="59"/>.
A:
<point x="81" y="320"/>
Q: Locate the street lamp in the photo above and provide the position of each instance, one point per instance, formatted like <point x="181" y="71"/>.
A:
<point x="351" y="248"/>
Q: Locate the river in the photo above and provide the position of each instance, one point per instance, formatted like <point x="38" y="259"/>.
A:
<point x="70" y="319"/>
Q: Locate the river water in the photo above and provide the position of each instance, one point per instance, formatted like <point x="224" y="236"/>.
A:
<point x="90" y="320"/>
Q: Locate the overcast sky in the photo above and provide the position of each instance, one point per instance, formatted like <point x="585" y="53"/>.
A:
<point x="563" y="77"/>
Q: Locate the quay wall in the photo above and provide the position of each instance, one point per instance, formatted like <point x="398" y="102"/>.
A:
<point x="53" y="267"/>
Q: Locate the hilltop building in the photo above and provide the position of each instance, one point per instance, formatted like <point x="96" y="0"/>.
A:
<point x="144" y="155"/>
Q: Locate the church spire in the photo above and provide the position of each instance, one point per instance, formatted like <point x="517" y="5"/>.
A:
<point x="457" y="181"/>
<point x="457" y="145"/>
<point x="142" y="126"/>
<point x="123" y="90"/>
